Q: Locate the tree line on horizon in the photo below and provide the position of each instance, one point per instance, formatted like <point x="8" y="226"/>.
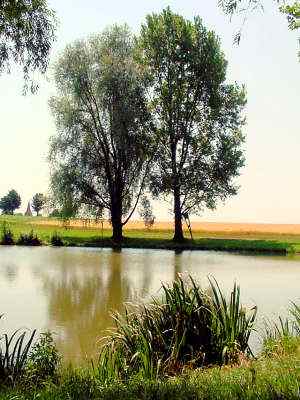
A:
<point x="12" y="201"/>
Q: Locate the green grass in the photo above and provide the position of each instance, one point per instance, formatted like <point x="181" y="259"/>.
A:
<point x="267" y="378"/>
<point x="155" y="239"/>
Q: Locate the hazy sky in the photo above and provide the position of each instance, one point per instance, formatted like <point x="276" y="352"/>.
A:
<point x="266" y="62"/>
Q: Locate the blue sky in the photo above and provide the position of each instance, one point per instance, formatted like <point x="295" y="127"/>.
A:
<point x="266" y="62"/>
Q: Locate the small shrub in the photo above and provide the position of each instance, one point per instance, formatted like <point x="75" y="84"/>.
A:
<point x="56" y="240"/>
<point x="43" y="361"/>
<point x="29" y="239"/>
<point x="7" y="237"/>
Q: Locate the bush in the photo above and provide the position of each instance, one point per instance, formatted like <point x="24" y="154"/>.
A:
<point x="7" y="237"/>
<point x="190" y="329"/>
<point x="43" y="361"/>
<point x="29" y="239"/>
<point x="56" y="240"/>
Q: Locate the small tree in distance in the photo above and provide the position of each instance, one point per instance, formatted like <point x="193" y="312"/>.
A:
<point x="146" y="212"/>
<point x="10" y="202"/>
<point x="38" y="202"/>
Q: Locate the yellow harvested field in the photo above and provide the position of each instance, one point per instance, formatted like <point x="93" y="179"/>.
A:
<point x="224" y="227"/>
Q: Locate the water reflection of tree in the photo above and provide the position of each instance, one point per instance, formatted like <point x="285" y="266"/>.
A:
<point x="80" y="303"/>
<point x="178" y="263"/>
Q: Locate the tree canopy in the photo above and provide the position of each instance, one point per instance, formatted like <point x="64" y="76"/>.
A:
<point x="199" y="116"/>
<point x="100" y="155"/>
<point x="27" y="32"/>
<point x="10" y="202"/>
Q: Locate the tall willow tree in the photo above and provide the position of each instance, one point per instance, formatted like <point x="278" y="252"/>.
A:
<point x="100" y="155"/>
<point x="198" y="115"/>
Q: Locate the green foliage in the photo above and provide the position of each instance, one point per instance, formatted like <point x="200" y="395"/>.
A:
<point x="7" y="236"/>
<point x="29" y="239"/>
<point x="38" y="202"/>
<point x="191" y="328"/>
<point x="199" y="116"/>
<point x="10" y="202"/>
<point x="26" y="35"/>
<point x="293" y="14"/>
<point x="14" y="352"/>
<point x="56" y="240"/>
<point x="43" y="361"/>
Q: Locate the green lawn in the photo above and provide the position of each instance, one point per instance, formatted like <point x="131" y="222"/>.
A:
<point x="156" y="239"/>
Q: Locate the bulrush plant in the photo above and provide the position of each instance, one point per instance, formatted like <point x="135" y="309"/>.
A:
<point x="190" y="328"/>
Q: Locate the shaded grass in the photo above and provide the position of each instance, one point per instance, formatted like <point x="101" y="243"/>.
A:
<point x="156" y="239"/>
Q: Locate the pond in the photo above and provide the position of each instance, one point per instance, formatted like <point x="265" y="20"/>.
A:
<point x="72" y="291"/>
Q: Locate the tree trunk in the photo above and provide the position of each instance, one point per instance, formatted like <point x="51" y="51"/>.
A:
<point x="117" y="232"/>
<point x="178" y="233"/>
<point x="116" y="220"/>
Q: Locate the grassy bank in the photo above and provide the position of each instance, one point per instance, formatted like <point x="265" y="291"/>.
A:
<point x="154" y="238"/>
<point x="274" y="377"/>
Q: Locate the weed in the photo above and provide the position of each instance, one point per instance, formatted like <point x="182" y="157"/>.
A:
<point x="43" y="361"/>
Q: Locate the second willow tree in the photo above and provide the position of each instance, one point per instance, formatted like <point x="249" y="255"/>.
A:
<point x="199" y="115"/>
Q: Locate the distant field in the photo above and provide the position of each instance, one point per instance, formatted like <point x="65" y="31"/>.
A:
<point x="207" y="235"/>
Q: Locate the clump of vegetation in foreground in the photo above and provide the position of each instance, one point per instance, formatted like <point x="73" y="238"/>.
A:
<point x="179" y="373"/>
<point x="191" y="328"/>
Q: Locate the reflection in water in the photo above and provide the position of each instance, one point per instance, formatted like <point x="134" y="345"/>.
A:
<point x="177" y="263"/>
<point x="72" y="291"/>
<point x="80" y="304"/>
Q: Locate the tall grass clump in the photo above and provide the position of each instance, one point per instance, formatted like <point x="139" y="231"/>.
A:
<point x="29" y="239"/>
<point x="282" y="336"/>
<point x="56" y="240"/>
<point x="190" y="328"/>
<point x="7" y="236"/>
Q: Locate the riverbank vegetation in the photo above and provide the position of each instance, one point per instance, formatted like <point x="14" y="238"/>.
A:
<point x="192" y="344"/>
<point x="56" y="233"/>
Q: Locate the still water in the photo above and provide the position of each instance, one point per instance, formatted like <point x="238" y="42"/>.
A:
<point x="71" y="291"/>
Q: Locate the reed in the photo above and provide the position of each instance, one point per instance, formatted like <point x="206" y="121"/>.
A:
<point x="189" y="328"/>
